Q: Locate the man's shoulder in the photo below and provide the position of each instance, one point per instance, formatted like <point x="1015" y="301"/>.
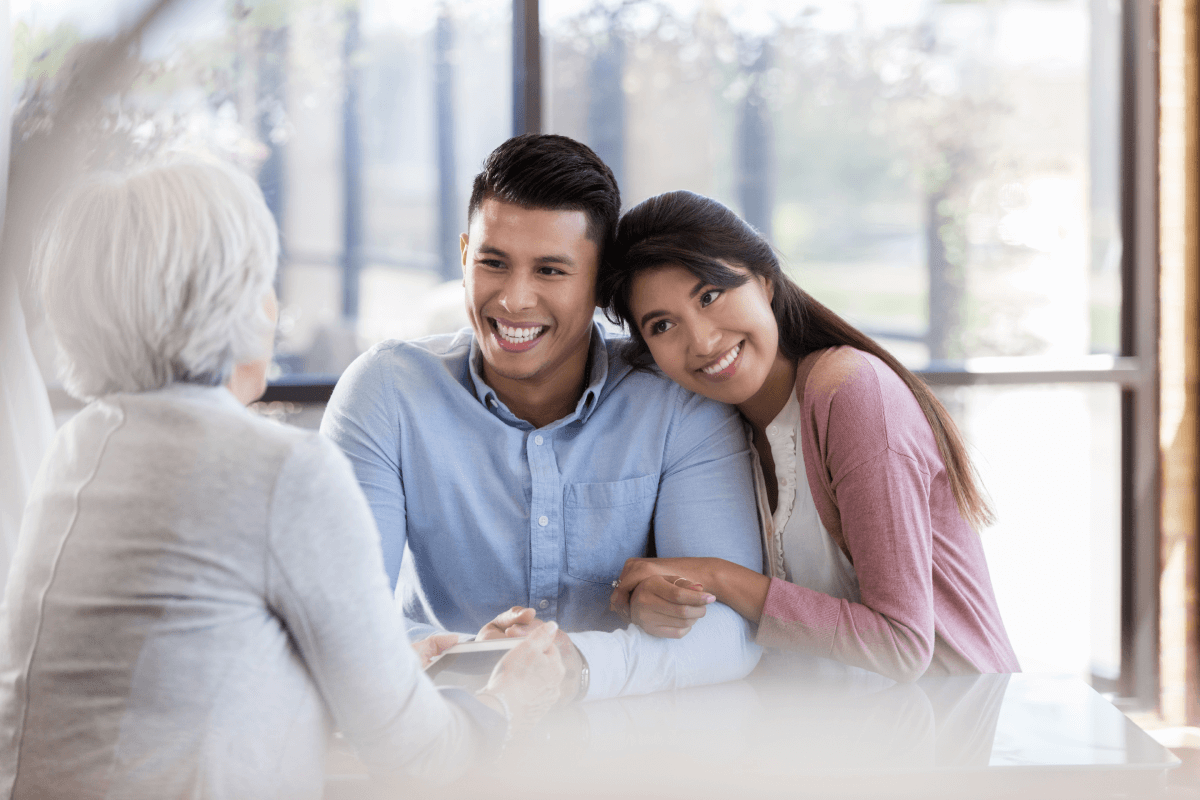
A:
<point x="626" y="376"/>
<point x="395" y="372"/>
<point x="395" y="362"/>
<point x="645" y="384"/>
<point x="428" y="350"/>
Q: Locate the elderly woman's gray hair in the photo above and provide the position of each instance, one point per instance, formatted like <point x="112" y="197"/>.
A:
<point x="157" y="276"/>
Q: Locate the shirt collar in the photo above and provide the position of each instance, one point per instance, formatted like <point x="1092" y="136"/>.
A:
<point x="200" y="393"/>
<point x="597" y="377"/>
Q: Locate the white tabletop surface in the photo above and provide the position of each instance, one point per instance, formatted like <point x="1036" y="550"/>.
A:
<point x="833" y="733"/>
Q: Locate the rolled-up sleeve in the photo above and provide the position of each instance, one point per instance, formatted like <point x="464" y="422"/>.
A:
<point x="705" y="507"/>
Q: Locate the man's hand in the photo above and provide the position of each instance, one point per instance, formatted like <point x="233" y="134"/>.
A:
<point x="660" y="602"/>
<point x="521" y="621"/>
<point x="432" y="646"/>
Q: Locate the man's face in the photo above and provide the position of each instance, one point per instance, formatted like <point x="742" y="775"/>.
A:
<point x="530" y="276"/>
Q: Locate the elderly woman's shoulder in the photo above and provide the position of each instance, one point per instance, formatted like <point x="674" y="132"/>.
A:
<point x="196" y="417"/>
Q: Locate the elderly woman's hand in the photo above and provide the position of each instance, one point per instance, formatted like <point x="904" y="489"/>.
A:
<point x="528" y="679"/>
<point x="517" y="621"/>
<point x="433" y="646"/>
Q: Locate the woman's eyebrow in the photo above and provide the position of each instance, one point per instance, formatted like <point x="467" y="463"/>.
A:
<point x="660" y="313"/>
<point x="649" y="315"/>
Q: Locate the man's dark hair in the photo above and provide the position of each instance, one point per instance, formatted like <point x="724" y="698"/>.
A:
<point x="554" y="173"/>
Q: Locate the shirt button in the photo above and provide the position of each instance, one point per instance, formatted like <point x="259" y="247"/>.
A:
<point x="783" y="481"/>
<point x="543" y="603"/>
<point x="773" y="430"/>
<point x="538" y="440"/>
<point x="543" y="521"/>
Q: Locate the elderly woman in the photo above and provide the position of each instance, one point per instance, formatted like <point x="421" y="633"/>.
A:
<point x="198" y="593"/>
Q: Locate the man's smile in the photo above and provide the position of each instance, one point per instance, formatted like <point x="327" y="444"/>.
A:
<point x="518" y="333"/>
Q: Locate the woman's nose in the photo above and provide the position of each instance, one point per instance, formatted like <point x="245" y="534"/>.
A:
<point x="705" y="338"/>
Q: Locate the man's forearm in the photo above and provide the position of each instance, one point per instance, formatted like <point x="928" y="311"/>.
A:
<point x="630" y="661"/>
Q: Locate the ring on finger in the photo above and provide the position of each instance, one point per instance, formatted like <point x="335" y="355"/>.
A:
<point x="677" y="580"/>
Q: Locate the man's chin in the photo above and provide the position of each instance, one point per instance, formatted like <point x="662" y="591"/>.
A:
<point x="513" y="372"/>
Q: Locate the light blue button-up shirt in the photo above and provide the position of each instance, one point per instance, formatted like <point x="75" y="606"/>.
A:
<point x="479" y="511"/>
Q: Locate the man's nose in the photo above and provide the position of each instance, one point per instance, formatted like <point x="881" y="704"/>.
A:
<point x="518" y="293"/>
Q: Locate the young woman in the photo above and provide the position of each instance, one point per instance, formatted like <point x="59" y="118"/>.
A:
<point x="868" y="500"/>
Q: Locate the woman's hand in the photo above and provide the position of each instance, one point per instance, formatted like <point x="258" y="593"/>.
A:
<point x="652" y="595"/>
<point x="529" y="678"/>
<point x="433" y="646"/>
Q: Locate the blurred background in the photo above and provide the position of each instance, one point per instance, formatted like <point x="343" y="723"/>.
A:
<point x="947" y="174"/>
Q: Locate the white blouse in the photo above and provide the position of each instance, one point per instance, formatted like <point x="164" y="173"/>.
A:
<point x="799" y="548"/>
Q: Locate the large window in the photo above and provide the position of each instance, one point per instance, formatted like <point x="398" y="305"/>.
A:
<point x="944" y="174"/>
<point x="947" y="175"/>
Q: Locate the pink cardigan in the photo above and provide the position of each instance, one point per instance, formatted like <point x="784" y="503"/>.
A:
<point x="879" y="484"/>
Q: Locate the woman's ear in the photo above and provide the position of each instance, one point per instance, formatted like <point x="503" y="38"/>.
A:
<point x="769" y="287"/>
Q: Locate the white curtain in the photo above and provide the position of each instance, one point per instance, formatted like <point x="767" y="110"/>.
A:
<point x="26" y="424"/>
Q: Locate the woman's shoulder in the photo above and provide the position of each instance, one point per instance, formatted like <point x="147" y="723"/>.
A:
<point x="847" y="370"/>
<point x="304" y="467"/>
<point x="208" y="423"/>
<point x="854" y="397"/>
<point x="279" y="442"/>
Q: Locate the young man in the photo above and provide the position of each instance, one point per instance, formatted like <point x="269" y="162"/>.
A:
<point x="523" y="461"/>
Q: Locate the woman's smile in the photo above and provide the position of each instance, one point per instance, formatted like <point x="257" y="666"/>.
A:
<point x="724" y="367"/>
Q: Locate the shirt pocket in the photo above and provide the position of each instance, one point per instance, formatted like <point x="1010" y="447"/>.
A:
<point x="606" y="523"/>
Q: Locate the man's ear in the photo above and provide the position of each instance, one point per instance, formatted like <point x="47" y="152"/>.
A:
<point x="462" y="250"/>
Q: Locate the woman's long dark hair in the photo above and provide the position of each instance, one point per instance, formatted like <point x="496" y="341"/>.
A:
<point x="705" y="238"/>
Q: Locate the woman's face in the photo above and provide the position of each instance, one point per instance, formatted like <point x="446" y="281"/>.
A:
<point x="720" y="343"/>
<point x="249" y="378"/>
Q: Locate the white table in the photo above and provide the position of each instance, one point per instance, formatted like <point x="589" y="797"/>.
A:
<point x="841" y="735"/>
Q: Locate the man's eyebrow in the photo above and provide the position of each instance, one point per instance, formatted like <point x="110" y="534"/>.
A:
<point x="555" y="259"/>
<point x="649" y="315"/>
<point x="491" y="250"/>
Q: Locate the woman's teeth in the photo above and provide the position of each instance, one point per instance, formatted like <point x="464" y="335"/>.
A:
<point x="519" y="335"/>
<point x="724" y="362"/>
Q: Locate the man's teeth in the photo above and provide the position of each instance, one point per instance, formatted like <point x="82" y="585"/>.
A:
<point x="724" y="362"/>
<point x="519" y="335"/>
